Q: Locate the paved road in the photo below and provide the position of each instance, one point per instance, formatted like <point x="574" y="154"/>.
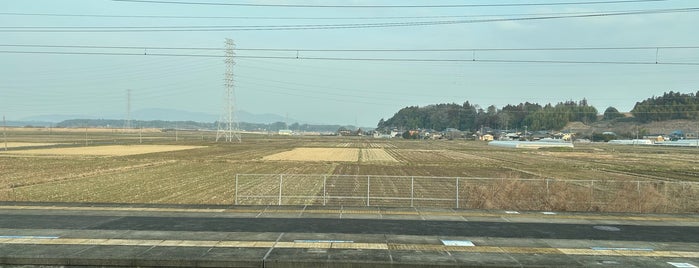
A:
<point x="187" y="236"/>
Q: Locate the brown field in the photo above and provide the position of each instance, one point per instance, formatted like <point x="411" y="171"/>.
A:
<point x="24" y="144"/>
<point x="108" y="150"/>
<point x="192" y="168"/>
<point x="317" y="155"/>
<point x="376" y="155"/>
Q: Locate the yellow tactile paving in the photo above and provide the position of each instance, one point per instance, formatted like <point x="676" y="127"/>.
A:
<point x="302" y="245"/>
<point x="687" y="254"/>
<point x="485" y="249"/>
<point x="234" y="244"/>
<point x="366" y="246"/>
<point x="187" y="243"/>
<point x="421" y="247"/>
<point x="359" y="246"/>
<point x="525" y="250"/>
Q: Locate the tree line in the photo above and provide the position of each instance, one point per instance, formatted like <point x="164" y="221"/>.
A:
<point x="534" y="116"/>
<point x="671" y="105"/>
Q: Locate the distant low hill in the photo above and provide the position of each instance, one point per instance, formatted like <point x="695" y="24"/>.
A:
<point x="166" y="115"/>
<point x="118" y="123"/>
<point x="29" y="123"/>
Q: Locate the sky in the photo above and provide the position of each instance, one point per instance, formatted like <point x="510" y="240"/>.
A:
<point x="353" y="87"/>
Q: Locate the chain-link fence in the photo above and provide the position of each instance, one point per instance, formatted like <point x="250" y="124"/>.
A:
<point x="474" y="193"/>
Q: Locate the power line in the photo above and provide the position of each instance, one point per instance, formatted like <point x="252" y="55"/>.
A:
<point x="389" y="6"/>
<point x="360" y="50"/>
<point x="305" y="18"/>
<point x="211" y="28"/>
<point x="361" y="59"/>
<point x="117" y="47"/>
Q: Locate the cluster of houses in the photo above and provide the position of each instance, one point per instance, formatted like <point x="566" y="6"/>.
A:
<point x="488" y="134"/>
<point x="485" y="134"/>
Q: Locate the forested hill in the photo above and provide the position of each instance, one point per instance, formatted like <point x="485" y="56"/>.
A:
<point x="535" y="116"/>
<point x="669" y="106"/>
<point x="471" y="117"/>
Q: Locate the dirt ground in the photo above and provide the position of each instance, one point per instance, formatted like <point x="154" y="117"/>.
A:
<point x="317" y="154"/>
<point x="109" y="150"/>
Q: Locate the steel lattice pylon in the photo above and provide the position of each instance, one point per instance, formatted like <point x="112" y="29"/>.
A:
<point x="228" y="125"/>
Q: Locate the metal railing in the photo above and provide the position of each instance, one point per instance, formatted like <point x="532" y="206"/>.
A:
<point x="466" y="192"/>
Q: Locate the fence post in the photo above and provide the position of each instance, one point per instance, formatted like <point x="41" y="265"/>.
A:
<point x="592" y="193"/>
<point x="236" y="190"/>
<point x="457" y="192"/>
<point x="368" y="184"/>
<point x="281" y="179"/>
<point x="548" y="194"/>
<point x="412" y="190"/>
<point x="324" y="197"/>
<point x="667" y="198"/>
<point x="638" y="189"/>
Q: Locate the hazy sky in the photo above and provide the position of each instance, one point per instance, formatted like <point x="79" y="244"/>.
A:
<point x="337" y="91"/>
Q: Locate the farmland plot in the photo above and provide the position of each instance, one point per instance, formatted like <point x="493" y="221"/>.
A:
<point x="23" y="171"/>
<point x="412" y="191"/>
<point x="295" y="189"/>
<point x="26" y="144"/>
<point x="420" y="156"/>
<point x="376" y="155"/>
<point x="381" y="145"/>
<point x="317" y="154"/>
<point x="176" y="182"/>
<point x="109" y="150"/>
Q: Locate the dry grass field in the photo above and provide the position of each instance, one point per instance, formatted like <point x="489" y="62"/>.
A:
<point x="107" y="150"/>
<point x="189" y="167"/>
<point x="317" y="154"/>
<point x="24" y="144"/>
<point x="376" y="155"/>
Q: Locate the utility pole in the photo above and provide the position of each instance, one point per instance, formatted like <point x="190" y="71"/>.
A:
<point x="4" y="131"/>
<point x="140" y="135"/>
<point x="127" y="122"/>
<point x="85" y="136"/>
<point x="525" y="133"/>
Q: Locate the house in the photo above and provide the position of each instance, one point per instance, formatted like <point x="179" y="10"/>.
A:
<point x="487" y="137"/>
<point x="654" y="137"/>
<point x="379" y="135"/>
<point x="345" y="132"/>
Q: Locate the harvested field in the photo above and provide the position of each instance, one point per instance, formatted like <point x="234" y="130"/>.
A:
<point x="317" y="155"/>
<point x="433" y="156"/>
<point x="25" y="144"/>
<point x="109" y="150"/>
<point x="311" y="168"/>
<point x="376" y="155"/>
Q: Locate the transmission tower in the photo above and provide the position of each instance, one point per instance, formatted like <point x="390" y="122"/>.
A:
<point x="127" y="122"/>
<point x="228" y="125"/>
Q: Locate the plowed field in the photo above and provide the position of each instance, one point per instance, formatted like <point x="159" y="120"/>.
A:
<point x="317" y="155"/>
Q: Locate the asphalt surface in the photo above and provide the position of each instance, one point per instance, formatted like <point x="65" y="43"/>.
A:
<point x="78" y="235"/>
